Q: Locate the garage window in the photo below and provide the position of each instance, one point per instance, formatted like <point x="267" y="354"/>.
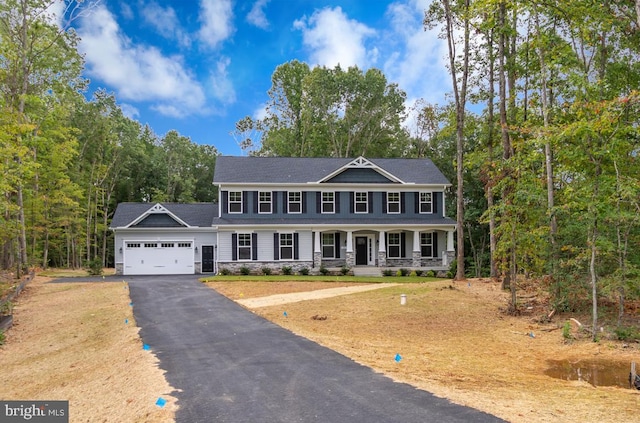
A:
<point x="184" y="245"/>
<point x="150" y="245"/>
<point x="133" y="245"/>
<point x="167" y="245"/>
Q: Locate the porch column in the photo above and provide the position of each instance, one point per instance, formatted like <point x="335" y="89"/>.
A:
<point x="350" y="256"/>
<point x="449" y="255"/>
<point x="415" y="259"/>
<point x="317" y="252"/>
<point x="382" y="249"/>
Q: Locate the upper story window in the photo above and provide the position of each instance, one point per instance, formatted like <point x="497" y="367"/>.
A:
<point x="235" y="201"/>
<point x="361" y="202"/>
<point x="244" y="246"/>
<point x="328" y="202"/>
<point x="426" y="202"/>
<point x="295" y="202"/>
<point x="328" y="245"/>
<point x="426" y="244"/>
<point x="393" y="202"/>
<point x="393" y="244"/>
<point x="264" y="202"/>
<point x="286" y="246"/>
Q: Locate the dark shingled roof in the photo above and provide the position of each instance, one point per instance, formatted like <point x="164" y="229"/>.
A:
<point x="291" y="170"/>
<point x="194" y="214"/>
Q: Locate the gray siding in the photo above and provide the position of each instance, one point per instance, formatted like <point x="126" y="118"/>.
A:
<point x="360" y="176"/>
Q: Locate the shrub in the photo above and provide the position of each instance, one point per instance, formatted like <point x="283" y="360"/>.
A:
<point x="94" y="267"/>
<point x="225" y="272"/>
<point x="304" y="271"/>
<point x="404" y="272"/>
<point x="387" y="272"/>
<point x="626" y="333"/>
<point x="2" y="337"/>
<point x="324" y="271"/>
<point x="286" y="270"/>
<point x="266" y="271"/>
<point x="566" y="331"/>
<point x="430" y="274"/>
<point x="244" y="270"/>
<point x="418" y="272"/>
<point x="344" y="270"/>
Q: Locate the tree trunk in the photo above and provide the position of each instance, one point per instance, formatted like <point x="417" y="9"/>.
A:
<point x="489" y="190"/>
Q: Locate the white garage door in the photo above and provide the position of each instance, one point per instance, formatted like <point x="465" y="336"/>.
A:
<point x="158" y="258"/>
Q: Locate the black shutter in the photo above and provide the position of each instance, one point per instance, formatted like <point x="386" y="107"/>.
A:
<point x="303" y="197"/>
<point x="276" y="246"/>
<point x="384" y="202"/>
<point x="225" y="202"/>
<point x="386" y="243"/>
<point x="337" y="242"/>
<point x="402" y="199"/>
<point x="370" y="200"/>
<point x="234" y="247"/>
<point x="254" y="246"/>
<point x="416" y="197"/>
<point x="245" y="201"/>
<point x="285" y="196"/>
<point x="351" y="200"/>
<point x="318" y="202"/>
<point x="434" y="199"/>
<point x="296" y="253"/>
<point x="403" y="247"/>
<point x="336" y="196"/>
<point x="255" y="202"/>
<point x="434" y="237"/>
<point x="274" y="201"/>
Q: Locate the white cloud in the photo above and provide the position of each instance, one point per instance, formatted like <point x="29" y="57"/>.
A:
<point x="130" y="111"/>
<point x="418" y="62"/>
<point x="335" y="39"/>
<point x="221" y="86"/>
<point x="215" y="16"/>
<point x="261" y="112"/>
<point x="137" y="72"/>
<point x="165" y="22"/>
<point x="256" y="16"/>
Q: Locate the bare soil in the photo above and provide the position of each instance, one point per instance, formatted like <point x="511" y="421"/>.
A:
<point x="71" y="342"/>
<point x="455" y="341"/>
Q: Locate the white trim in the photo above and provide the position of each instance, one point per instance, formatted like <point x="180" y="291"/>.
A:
<point x="289" y="202"/>
<point x="270" y="202"/>
<point x="235" y="202"/>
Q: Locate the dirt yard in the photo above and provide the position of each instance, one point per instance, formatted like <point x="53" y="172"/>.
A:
<point x="71" y="342"/>
<point x="454" y="341"/>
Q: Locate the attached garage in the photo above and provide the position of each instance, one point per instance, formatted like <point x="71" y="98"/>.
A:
<point x="158" y="258"/>
<point x="164" y="239"/>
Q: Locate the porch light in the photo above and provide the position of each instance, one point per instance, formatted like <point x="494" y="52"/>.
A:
<point x="196" y="250"/>
<point x="120" y="250"/>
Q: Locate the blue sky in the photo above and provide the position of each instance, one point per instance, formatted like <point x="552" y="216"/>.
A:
<point x="199" y="66"/>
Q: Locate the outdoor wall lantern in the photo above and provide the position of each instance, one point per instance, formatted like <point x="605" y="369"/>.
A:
<point x="196" y="250"/>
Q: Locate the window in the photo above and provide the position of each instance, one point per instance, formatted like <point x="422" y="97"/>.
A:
<point x="328" y="245"/>
<point x="264" y="202"/>
<point x="150" y="245"/>
<point x="133" y="245"/>
<point x="426" y="244"/>
<point x="361" y="202"/>
<point x="184" y="245"/>
<point x="394" y="245"/>
<point x="393" y="202"/>
<point x="295" y="202"/>
<point x="244" y="246"/>
<point x="286" y="246"/>
<point x="167" y="245"/>
<point x="328" y="202"/>
<point x="426" y="205"/>
<point x="235" y="201"/>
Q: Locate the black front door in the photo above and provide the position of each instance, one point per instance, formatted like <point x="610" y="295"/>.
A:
<point x="207" y="259"/>
<point x="361" y="251"/>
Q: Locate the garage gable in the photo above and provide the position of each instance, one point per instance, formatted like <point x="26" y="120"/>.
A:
<point x="158" y="216"/>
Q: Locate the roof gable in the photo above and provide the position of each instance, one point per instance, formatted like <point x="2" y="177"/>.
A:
<point x="158" y="209"/>
<point x="166" y="215"/>
<point x="360" y="170"/>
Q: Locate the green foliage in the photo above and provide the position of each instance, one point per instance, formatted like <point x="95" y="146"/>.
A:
<point x="430" y="274"/>
<point x="566" y="332"/>
<point x="94" y="267"/>
<point x="225" y="271"/>
<point x="304" y="271"/>
<point x="418" y="272"/>
<point x="2" y="338"/>
<point x="387" y="272"/>
<point x="266" y="270"/>
<point x="244" y="270"/>
<point x="627" y="333"/>
<point x="324" y="271"/>
<point x="287" y="270"/>
<point x="404" y="272"/>
<point x="344" y="270"/>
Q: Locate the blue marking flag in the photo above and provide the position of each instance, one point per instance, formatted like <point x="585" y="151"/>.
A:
<point x="285" y="314"/>
<point x="146" y="347"/>
<point x="126" y="321"/>
<point x="398" y="358"/>
<point x="161" y="402"/>
<point x="131" y="304"/>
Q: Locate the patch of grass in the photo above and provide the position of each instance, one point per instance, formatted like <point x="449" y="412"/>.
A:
<point x="2" y="337"/>
<point x="72" y="273"/>
<point x="319" y="278"/>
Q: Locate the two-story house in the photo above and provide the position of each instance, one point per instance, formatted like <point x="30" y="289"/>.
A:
<point x="296" y="212"/>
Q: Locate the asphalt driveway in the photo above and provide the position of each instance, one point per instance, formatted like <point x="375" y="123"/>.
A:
<point x="229" y="365"/>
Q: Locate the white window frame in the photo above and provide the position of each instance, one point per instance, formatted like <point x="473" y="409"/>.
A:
<point x="291" y="202"/>
<point x="424" y="244"/>
<point x="329" y="203"/>
<point x="264" y="199"/>
<point x="393" y="243"/>
<point x="424" y="203"/>
<point x="244" y="244"/>
<point x="235" y="202"/>
<point x="332" y="244"/>
<point x="359" y="201"/>
<point x="393" y="205"/>
<point x="286" y="244"/>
